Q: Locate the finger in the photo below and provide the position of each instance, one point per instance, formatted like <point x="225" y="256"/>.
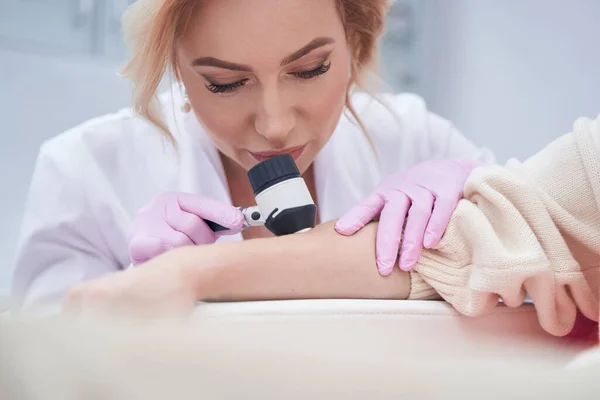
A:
<point x="212" y="210"/>
<point x="82" y="301"/>
<point x="71" y="303"/>
<point x="360" y="215"/>
<point x="389" y="231"/>
<point x="227" y="232"/>
<point x="186" y="228"/>
<point x="417" y="220"/>
<point x="175" y="239"/>
<point x="191" y="225"/>
<point x="440" y="218"/>
<point x="144" y="248"/>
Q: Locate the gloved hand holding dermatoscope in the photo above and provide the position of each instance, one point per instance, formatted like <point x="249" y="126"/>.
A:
<point x="284" y="206"/>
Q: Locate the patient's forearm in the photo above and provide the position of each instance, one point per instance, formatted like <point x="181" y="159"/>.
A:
<point x="316" y="264"/>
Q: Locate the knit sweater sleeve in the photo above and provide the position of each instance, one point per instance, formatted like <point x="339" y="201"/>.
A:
<point x="525" y="228"/>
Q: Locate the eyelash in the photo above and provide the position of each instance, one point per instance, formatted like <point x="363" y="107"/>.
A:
<point x="218" y="89"/>
<point x="320" y="70"/>
<point x="213" y="87"/>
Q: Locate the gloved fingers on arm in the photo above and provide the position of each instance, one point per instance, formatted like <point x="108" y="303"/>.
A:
<point x="360" y="215"/>
<point x="389" y="231"/>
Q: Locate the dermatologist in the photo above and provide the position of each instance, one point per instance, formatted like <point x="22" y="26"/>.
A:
<point x="251" y="79"/>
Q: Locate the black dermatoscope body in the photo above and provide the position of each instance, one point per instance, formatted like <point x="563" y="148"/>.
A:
<point x="283" y="202"/>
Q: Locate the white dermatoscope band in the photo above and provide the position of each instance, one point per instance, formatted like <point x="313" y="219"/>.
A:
<point x="287" y="194"/>
<point x="284" y="195"/>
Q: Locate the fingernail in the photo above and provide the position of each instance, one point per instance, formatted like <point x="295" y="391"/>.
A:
<point x="407" y="267"/>
<point x="406" y="263"/>
<point x="385" y="270"/>
<point x="428" y="239"/>
<point x="239" y="221"/>
<point x="237" y="217"/>
<point x="384" y="267"/>
<point x="342" y="227"/>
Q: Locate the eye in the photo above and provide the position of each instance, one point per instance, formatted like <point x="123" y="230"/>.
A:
<point x="216" y="88"/>
<point x="320" y="70"/>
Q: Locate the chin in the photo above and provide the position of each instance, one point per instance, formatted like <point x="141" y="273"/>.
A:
<point x="305" y="161"/>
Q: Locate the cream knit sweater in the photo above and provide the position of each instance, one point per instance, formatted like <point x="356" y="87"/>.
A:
<point x="525" y="228"/>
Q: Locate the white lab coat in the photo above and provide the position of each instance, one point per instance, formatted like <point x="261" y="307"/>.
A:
<point x="90" y="181"/>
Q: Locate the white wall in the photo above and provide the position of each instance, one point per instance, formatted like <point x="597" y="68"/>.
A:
<point x="512" y="74"/>
<point x="39" y="98"/>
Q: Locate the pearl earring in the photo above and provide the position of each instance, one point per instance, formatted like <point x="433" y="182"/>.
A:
<point x="186" y="107"/>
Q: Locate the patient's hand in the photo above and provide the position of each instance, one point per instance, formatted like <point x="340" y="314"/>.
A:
<point x="161" y="288"/>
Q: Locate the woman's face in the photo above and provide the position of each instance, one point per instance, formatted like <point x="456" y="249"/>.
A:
<point x="266" y="76"/>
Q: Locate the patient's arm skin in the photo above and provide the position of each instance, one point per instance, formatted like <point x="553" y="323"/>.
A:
<point x="317" y="264"/>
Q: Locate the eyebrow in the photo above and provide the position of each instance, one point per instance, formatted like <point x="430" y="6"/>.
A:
<point x="215" y="62"/>
<point x="313" y="45"/>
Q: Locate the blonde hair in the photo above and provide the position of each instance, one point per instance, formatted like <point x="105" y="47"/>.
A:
<point x="152" y="27"/>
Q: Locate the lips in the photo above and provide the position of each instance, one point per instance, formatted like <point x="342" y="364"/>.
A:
<point x="295" y="152"/>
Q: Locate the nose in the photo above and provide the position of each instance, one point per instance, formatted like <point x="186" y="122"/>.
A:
<point x="275" y="118"/>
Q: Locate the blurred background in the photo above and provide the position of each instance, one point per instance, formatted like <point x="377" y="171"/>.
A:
<point x="512" y="75"/>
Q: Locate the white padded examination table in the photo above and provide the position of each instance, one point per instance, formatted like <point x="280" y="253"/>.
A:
<point x="310" y="349"/>
<point x="368" y="323"/>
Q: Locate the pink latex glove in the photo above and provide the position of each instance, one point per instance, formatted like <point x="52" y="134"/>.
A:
<point x="176" y="219"/>
<point x="428" y="192"/>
